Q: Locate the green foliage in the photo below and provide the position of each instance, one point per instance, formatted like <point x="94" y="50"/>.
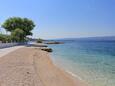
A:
<point x="17" y="35"/>
<point x="39" y="40"/>
<point x="5" y="38"/>
<point x="19" y="27"/>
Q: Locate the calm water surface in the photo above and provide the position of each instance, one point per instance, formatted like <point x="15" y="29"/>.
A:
<point x="91" y="61"/>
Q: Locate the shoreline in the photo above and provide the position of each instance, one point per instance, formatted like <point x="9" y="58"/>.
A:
<point x="67" y="71"/>
<point x="57" y="64"/>
<point x="65" y="77"/>
<point x="71" y="74"/>
<point x="74" y="75"/>
<point x="29" y="65"/>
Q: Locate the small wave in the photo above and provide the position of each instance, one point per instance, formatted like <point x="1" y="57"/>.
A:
<point x="74" y="75"/>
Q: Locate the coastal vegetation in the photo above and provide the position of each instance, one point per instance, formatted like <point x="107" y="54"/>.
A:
<point x="5" y="38"/>
<point x="19" y="28"/>
<point x="40" y="40"/>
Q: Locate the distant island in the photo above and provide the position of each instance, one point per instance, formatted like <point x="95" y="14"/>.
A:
<point x="99" y="38"/>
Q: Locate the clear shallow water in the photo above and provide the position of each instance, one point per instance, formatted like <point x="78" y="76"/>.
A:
<point x="91" y="61"/>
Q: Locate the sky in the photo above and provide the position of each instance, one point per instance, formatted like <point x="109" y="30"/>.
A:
<point x="63" y="18"/>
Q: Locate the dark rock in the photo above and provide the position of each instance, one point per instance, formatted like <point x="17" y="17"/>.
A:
<point x="54" y="43"/>
<point x="47" y="49"/>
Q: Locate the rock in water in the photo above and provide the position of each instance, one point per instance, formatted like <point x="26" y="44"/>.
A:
<point x="47" y="49"/>
<point x="54" y="43"/>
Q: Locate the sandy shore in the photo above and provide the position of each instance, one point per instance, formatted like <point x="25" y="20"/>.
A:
<point x="32" y="67"/>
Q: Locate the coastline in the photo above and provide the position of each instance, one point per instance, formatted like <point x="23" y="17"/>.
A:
<point x="36" y="69"/>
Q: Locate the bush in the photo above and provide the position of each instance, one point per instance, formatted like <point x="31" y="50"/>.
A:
<point x="39" y="40"/>
<point x="5" y="38"/>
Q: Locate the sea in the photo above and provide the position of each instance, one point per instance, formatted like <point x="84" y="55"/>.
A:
<point x="90" y="60"/>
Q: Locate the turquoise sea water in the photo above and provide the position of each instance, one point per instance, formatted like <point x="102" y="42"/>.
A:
<point x="91" y="61"/>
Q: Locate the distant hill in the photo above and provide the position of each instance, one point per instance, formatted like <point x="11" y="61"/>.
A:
<point x="104" y="38"/>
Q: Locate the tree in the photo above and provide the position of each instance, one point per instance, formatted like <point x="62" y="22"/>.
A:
<point x="16" y="25"/>
<point x="17" y="35"/>
<point x="5" y="38"/>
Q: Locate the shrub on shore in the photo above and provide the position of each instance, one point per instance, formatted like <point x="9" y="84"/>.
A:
<point x="39" y="40"/>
